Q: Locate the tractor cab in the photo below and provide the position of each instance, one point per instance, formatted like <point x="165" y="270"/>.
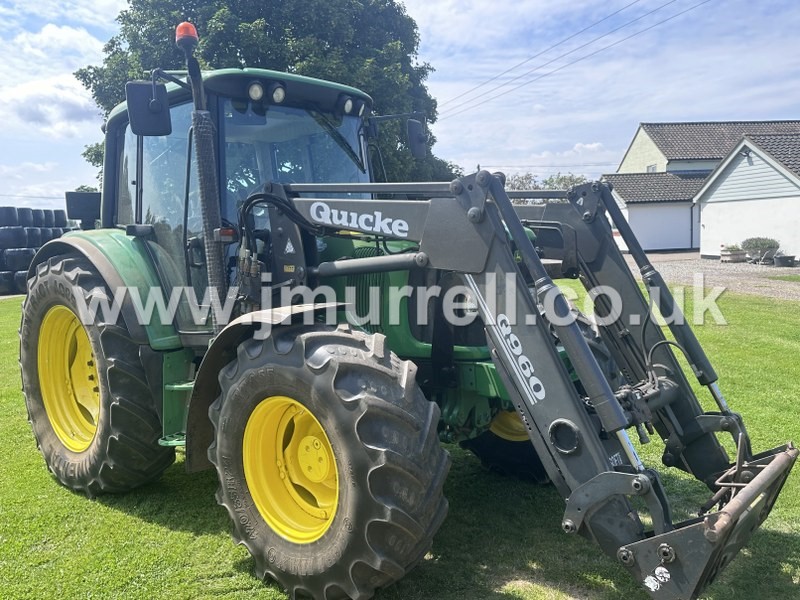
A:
<point x="269" y="127"/>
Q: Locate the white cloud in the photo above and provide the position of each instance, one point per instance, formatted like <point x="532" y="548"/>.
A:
<point x="96" y="13"/>
<point x="24" y="170"/>
<point x="58" y="107"/>
<point x="61" y="42"/>
<point x="50" y="51"/>
<point x="737" y="60"/>
<point x="47" y="115"/>
<point x="705" y="65"/>
<point x="39" y="185"/>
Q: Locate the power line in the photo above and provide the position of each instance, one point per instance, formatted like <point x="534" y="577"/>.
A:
<point x="606" y="164"/>
<point x="538" y="54"/>
<point x="577" y="60"/>
<point x="449" y="112"/>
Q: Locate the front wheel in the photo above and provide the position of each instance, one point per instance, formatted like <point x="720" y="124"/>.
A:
<point x="329" y="461"/>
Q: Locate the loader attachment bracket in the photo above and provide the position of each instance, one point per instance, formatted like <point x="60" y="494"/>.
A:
<point x="585" y="499"/>
<point x="682" y="562"/>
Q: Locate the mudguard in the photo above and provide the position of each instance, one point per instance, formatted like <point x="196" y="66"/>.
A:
<point x="199" y="431"/>
<point x="123" y="262"/>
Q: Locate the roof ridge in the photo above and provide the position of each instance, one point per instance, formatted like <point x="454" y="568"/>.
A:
<point x="785" y="134"/>
<point x="679" y="174"/>
<point x="643" y="123"/>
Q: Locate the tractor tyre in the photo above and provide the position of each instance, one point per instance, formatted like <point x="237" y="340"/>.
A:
<point x="329" y="461"/>
<point x="506" y="449"/>
<point x="89" y="405"/>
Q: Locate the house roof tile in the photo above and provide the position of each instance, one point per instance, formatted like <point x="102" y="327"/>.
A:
<point x="640" y="188"/>
<point x="783" y="148"/>
<point x="710" y="140"/>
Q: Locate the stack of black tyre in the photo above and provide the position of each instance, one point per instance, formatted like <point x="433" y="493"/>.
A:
<point x="22" y="232"/>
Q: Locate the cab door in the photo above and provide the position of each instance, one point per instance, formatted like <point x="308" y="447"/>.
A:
<point x="157" y="188"/>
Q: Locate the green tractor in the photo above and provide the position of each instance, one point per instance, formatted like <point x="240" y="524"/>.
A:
<point x="252" y="295"/>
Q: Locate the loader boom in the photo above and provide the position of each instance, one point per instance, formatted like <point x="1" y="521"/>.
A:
<point x="582" y="439"/>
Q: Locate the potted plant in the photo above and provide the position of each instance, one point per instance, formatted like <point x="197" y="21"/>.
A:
<point x="760" y="250"/>
<point x="783" y="260"/>
<point x="732" y="253"/>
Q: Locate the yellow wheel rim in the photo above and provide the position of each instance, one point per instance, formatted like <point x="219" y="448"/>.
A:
<point x="290" y="469"/>
<point x="68" y="378"/>
<point x="509" y="426"/>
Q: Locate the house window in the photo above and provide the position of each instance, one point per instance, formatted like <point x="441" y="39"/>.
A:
<point x="651" y="168"/>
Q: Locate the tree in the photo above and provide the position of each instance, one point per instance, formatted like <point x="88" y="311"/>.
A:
<point x="368" y="44"/>
<point x="529" y="181"/>
<point x="522" y="181"/>
<point x="562" y="182"/>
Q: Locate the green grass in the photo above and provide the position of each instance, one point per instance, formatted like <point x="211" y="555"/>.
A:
<point x="501" y="539"/>
<point x="795" y="278"/>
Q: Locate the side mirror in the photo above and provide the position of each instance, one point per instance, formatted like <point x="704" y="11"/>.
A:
<point x="84" y="207"/>
<point x="148" y="108"/>
<point x="417" y="140"/>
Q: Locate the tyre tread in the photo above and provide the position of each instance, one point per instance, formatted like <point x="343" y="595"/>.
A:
<point x="131" y="455"/>
<point x="345" y="352"/>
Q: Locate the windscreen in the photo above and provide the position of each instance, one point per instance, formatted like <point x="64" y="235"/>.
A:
<point x="288" y="145"/>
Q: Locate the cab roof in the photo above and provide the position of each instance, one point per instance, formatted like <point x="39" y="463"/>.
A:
<point x="234" y="83"/>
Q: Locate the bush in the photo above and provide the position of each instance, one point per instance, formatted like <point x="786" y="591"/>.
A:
<point x="759" y="245"/>
<point x="731" y="247"/>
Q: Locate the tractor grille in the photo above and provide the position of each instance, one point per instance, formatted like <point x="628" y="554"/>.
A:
<point x="362" y="285"/>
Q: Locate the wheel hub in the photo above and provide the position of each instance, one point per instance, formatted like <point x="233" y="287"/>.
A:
<point x="314" y="461"/>
<point x="509" y="426"/>
<point x="68" y="378"/>
<point x="290" y="469"/>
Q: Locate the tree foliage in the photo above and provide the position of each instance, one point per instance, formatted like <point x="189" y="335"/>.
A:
<point x="529" y="181"/>
<point x="368" y="44"/>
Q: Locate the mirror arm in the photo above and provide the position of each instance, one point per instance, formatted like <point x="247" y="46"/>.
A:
<point x="163" y="75"/>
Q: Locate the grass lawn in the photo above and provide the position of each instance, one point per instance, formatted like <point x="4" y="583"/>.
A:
<point x="501" y="539"/>
<point x="795" y="278"/>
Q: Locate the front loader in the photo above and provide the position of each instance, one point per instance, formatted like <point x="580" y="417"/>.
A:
<point x="253" y="295"/>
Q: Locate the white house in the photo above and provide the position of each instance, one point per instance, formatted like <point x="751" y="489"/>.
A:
<point x="754" y="192"/>
<point x="698" y="146"/>
<point x="659" y="208"/>
<point x="664" y="168"/>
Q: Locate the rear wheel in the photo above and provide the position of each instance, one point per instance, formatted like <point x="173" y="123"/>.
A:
<point x="88" y="402"/>
<point x="329" y="461"/>
<point x="506" y="448"/>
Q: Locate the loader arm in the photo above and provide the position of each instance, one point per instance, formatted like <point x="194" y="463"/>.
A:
<point x="468" y="226"/>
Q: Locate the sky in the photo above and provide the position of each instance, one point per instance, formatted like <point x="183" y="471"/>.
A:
<point x="541" y="86"/>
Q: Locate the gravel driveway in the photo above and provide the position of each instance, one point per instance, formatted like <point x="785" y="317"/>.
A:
<point x="738" y="278"/>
